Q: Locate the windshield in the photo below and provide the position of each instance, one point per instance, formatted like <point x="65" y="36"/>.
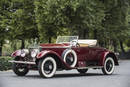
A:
<point x="66" y="39"/>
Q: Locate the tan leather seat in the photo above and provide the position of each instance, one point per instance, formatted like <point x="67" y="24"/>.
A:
<point x="83" y="45"/>
<point x="87" y="42"/>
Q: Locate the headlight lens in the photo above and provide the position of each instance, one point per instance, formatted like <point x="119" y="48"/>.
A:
<point x="34" y="52"/>
<point x="24" y="52"/>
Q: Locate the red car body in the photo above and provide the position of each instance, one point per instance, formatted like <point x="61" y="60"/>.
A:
<point x="62" y="56"/>
<point x="84" y="54"/>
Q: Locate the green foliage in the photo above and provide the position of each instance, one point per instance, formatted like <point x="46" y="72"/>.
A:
<point x="50" y="18"/>
<point x="4" y="63"/>
<point x="4" y="21"/>
<point x="76" y="15"/>
<point x="115" y="23"/>
<point x="115" y="20"/>
<point x="22" y="25"/>
<point x="105" y="20"/>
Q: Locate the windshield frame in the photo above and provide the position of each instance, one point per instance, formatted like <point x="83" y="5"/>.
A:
<point x="66" y="39"/>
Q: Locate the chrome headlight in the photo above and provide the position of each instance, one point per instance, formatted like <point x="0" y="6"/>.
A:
<point x="34" y="52"/>
<point x="24" y="52"/>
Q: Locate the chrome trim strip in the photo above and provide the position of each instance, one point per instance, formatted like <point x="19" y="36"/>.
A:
<point x="23" y="62"/>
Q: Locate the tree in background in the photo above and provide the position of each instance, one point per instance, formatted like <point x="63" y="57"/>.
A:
<point x="78" y="16"/>
<point x="4" y="21"/>
<point x="104" y="20"/>
<point x="87" y="18"/>
<point x="23" y="25"/>
<point x="50" y="18"/>
<point x="128" y="19"/>
<point x="115" y="22"/>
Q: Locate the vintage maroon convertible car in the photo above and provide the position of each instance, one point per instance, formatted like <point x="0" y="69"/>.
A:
<point x="68" y="53"/>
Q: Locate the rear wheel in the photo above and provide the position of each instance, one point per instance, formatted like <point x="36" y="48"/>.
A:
<point x="20" y="69"/>
<point x="109" y="66"/>
<point x="82" y="71"/>
<point x="47" y="67"/>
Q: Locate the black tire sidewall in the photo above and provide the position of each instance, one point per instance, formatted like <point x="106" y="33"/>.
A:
<point x="17" y="72"/>
<point x="82" y="71"/>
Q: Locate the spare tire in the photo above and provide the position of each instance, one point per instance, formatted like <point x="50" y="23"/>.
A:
<point x="70" y="57"/>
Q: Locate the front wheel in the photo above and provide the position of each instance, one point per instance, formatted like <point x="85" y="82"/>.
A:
<point x="20" y="69"/>
<point x="109" y="66"/>
<point x="47" y="67"/>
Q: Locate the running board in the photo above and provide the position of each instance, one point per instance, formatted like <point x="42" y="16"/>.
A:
<point x="23" y="62"/>
<point x="96" y="67"/>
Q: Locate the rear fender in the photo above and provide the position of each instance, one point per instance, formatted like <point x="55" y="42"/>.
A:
<point x="108" y="54"/>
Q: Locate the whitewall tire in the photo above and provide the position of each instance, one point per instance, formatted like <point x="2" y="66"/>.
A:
<point x="47" y="67"/>
<point x="70" y="57"/>
<point x="109" y="66"/>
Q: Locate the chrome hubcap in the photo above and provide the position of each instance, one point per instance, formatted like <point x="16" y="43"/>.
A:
<point x="109" y="65"/>
<point x="70" y="59"/>
<point x="48" y="67"/>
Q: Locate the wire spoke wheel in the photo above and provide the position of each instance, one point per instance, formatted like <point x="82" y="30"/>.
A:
<point x="109" y="66"/>
<point x="70" y="59"/>
<point x="20" y="69"/>
<point x="48" y="67"/>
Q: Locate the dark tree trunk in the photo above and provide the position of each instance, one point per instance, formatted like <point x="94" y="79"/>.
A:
<point x="122" y="48"/>
<point x="101" y="44"/>
<point x="84" y="33"/>
<point x="95" y="34"/>
<point x="1" y="44"/>
<point x="22" y="44"/>
<point x="115" y="46"/>
<point x="80" y="34"/>
<point x="49" y="39"/>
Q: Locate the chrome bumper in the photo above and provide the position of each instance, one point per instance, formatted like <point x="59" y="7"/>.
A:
<point x="23" y="62"/>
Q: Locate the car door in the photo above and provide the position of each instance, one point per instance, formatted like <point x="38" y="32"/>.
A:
<point x="93" y="53"/>
<point x="82" y="53"/>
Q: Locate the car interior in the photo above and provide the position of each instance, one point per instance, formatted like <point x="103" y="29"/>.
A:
<point x="86" y="43"/>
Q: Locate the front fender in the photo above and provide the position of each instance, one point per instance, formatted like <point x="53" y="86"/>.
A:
<point x="16" y="53"/>
<point x="21" y="53"/>
<point x="45" y="53"/>
<point x="104" y="55"/>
